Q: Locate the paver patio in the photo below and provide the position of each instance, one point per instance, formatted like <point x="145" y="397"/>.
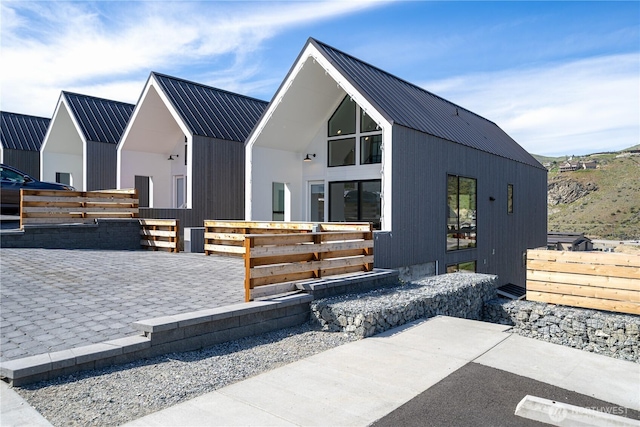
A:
<point x="56" y="299"/>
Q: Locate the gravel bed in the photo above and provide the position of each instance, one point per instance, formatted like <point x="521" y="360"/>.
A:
<point x="115" y="395"/>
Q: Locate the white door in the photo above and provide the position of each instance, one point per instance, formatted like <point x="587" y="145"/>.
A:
<point x="316" y="201"/>
<point x="179" y="192"/>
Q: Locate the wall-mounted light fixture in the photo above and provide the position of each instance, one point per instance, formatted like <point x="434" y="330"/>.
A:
<point x="492" y="199"/>
<point x="307" y="158"/>
<point x="173" y="156"/>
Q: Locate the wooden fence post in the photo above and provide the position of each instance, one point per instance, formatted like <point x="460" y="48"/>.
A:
<point x="248" y="244"/>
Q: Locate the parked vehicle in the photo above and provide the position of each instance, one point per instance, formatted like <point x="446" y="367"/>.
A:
<point x="13" y="180"/>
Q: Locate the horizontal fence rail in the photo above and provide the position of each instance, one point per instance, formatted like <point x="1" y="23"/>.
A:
<point x="69" y="207"/>
<point x="160" y="234"/>
<point x="227" y="237"/>
<point x="597" y="280"/>
<point x="274" y="261"/>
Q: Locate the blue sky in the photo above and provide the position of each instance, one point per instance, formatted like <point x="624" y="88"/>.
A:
<point x="561" y="78"/>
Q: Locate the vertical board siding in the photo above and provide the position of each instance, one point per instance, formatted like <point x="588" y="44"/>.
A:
<point x="101" y="165"/>
<point x="421" y="164"/>
<point x="26" y="161"/>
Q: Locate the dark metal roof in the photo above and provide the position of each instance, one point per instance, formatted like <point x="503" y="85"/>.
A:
<point x="212" y="112"/>
<point x="101" y="120"/>
<point x="22" y="132"/>
<point x="408" y="105"/>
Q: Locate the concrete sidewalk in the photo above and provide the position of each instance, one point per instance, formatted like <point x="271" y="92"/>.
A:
<point x="361" y="382"/>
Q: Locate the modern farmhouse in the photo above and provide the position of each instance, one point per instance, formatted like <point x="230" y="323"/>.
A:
<point x="21" y="137"/>
<point x="183" y="150"/>
<point x="79" y="148"/>
<point x="446" y="189"/>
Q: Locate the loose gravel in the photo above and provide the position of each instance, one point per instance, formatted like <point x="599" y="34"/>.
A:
<point x="115" y="395"/>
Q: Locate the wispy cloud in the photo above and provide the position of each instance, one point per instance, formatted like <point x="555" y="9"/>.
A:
<point x="557" y="109"/>
<point x="108" y="48"/>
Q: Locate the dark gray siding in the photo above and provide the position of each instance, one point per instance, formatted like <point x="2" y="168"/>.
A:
<point x="101" y="165"/>
<point x="218" y="184"/>
<point x="421" y="164"/>
<point x="26" y="161"/>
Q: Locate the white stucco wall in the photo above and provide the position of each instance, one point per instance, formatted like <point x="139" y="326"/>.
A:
<point x="63" y="162"/>
<point x="275" y="166"/>
<point x="63" y="150"/>
<point x="153" y="165"/>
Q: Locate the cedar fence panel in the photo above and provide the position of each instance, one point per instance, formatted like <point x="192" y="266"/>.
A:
<point x="227" y="237"/>
<point x="597" y="280"/>
<point x="71" y="207"/>
<point x="160" y="234"/>
<point x="274" y="261"/>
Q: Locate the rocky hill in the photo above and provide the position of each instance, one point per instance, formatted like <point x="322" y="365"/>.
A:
<point x="603" y="203"/>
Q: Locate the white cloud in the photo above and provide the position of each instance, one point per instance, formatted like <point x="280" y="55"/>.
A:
<point x="577" y="107"/>
<point x="103" y="48"/>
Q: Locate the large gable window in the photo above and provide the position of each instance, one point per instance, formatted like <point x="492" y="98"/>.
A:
<point x="343" y="121"/>
<point x="461" y="217"/>
<point x="353" y="135"/>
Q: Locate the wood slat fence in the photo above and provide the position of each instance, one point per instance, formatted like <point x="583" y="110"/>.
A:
<point x="68" y="207"/>
<point x="274" y="261"/>
<point x="597" y="280"/>
<point x="277" y="254"/>
<point x="227" y="237"/>
<point x="160" y="234"/>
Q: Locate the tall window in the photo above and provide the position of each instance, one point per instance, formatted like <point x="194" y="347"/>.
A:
<point x="510" y="198"/>
<point x="277" y="201"/>
<point x="351" y="131"/>
<point x="461" y="216"/>
<point x="351" y="201"/>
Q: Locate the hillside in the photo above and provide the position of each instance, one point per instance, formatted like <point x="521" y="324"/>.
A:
<point x="602" y="203"/>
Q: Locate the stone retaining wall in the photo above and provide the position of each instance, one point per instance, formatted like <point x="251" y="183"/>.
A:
<point x="615" y="335"/>
<point x="366" y="314"/>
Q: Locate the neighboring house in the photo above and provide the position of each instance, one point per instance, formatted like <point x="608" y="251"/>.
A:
<point x="447" y="189"/>
<point x="21" y="137"/>
<point x="589" y="164"/>
<point x="183" y="150"/>
<point x="569" y="166"/>
<point x="568" y="242"/>
<point x="79" y="148"/>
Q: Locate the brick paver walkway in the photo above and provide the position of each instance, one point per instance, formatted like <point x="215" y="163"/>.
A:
<point x="54" y="299"/>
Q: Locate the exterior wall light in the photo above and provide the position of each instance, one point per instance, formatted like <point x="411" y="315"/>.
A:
<point x="307" y="158"/>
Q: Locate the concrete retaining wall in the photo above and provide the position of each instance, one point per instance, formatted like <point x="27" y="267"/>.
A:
<point x="185" y="332"/>
<point x="111" y="234"/>
<point x="615" y="335"/>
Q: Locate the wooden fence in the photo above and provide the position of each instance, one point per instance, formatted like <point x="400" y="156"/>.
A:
<point x="227" y="237"/>
<point x="274" y="261"/>
<point x="597" y="280"/>
<point x="160" y="234"/>
<point x="67" y="207"/>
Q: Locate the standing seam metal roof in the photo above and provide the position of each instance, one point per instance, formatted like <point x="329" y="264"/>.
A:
<point x="101" y="120"/>
<point x="411" y="106"/>
<point x="22" y="132"/>
<point x="212" y="112"/>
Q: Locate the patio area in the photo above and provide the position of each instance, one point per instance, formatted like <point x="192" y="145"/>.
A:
<point x="55" y="299"/>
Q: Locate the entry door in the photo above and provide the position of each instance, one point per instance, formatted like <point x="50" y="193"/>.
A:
<point x="316" y="201"/>
<point x="179" y="191"/>
<point x="143" y="185"/>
